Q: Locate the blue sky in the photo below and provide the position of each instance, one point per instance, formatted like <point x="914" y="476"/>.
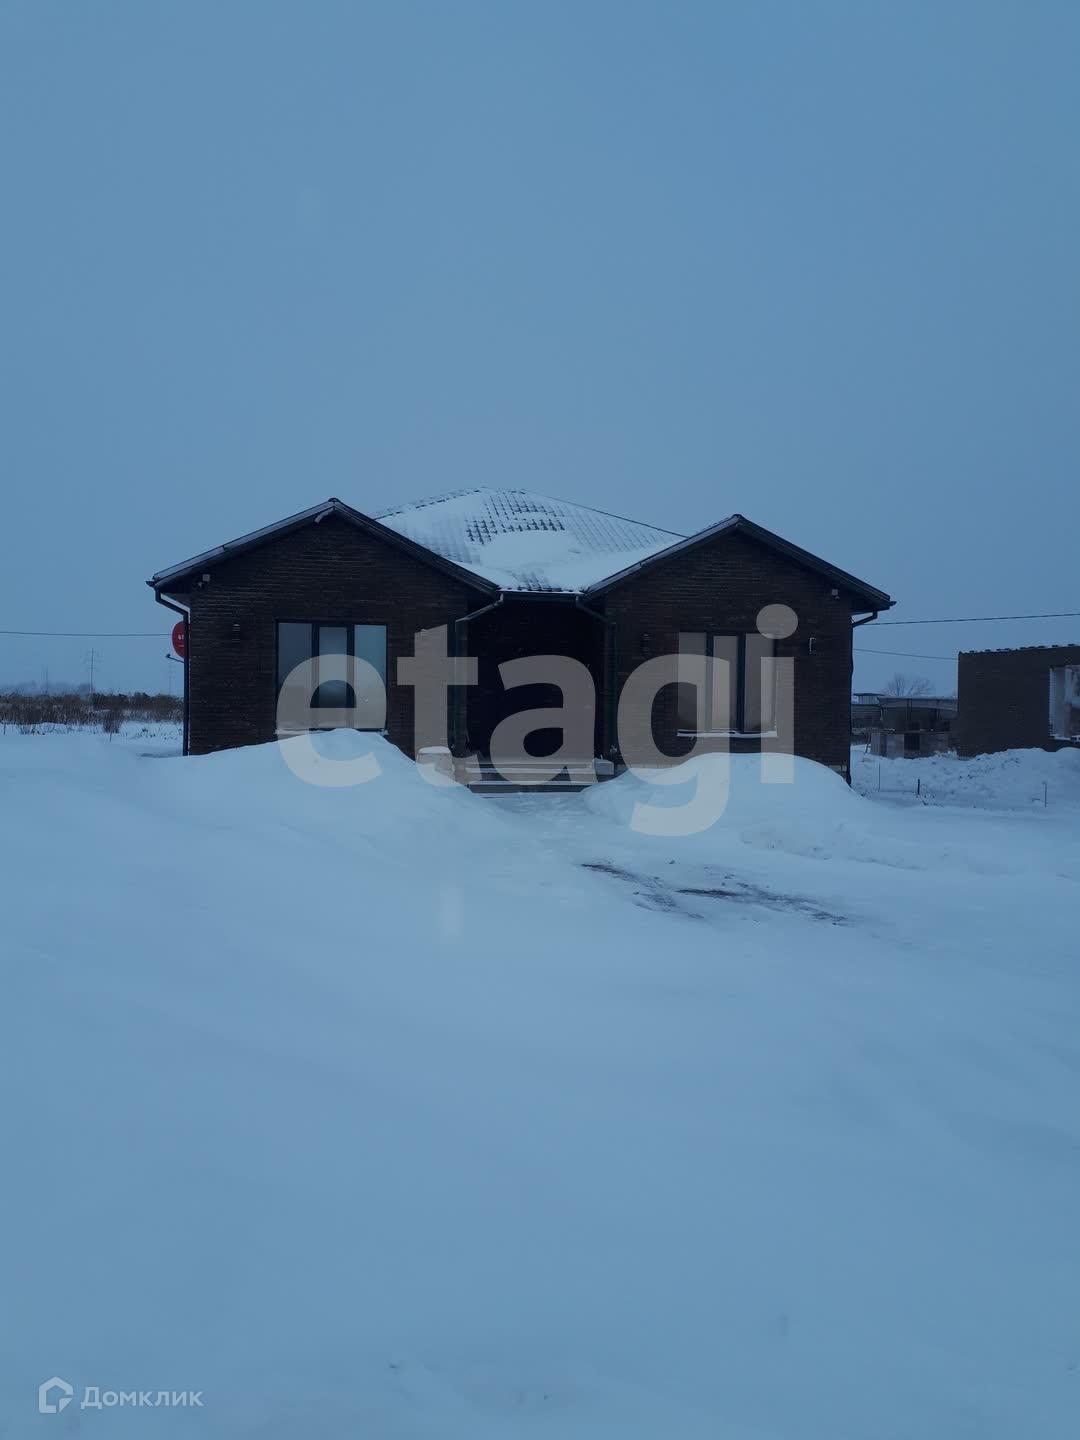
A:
<point x="814" y="262"/>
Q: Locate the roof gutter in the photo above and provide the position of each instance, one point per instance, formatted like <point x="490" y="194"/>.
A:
<point x="315" y="515"/>
<point x="740" y="524"/>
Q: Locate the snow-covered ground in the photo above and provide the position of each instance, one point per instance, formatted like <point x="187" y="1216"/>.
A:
<point x="1009" y="780"/>
<point x="395" y="1113"/>
<point x="162" y="736"/>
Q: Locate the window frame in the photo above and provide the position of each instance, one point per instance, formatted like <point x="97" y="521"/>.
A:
<point x="738" y="730"/>
<point x="349" y="626"/>
<point x="1063" y="684"/>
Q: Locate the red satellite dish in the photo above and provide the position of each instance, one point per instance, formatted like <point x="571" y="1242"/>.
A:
<point x="178" y="638"/>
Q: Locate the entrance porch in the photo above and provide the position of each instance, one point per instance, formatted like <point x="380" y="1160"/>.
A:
<point x="519" y="627"/>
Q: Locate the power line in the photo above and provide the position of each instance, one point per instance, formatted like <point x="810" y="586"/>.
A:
<point x="949" y="620"/>
<point x="905" y="654"/>
<point x="97" y="634"/>
<point x="973" y="619"/>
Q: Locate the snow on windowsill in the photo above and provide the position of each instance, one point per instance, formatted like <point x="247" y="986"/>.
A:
<point x="727" y="734"/>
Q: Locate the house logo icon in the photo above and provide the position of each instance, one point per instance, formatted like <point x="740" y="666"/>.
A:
<point x="44" y="1408"/>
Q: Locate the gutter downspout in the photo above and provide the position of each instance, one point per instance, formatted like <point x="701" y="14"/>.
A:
<point x="612" y="717"/>
<point x="461" y="625"/>
<point x="185" y="616"/>
<point x="866" y="619"/>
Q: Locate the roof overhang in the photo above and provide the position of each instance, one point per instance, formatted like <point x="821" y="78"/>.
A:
<point x="866" y="596"/>
<point x="170" y="581"/>
<point x="175" y="580"/>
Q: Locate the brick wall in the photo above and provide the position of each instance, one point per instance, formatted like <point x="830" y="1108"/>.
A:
<point x="330" y="571"/>
<point x="721" y="585"/>
<point x="1004" y="698"/>
<point x="335" y="572"/>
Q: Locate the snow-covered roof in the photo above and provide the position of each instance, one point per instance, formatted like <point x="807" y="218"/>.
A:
<point x="518" y="540"/>
<point x="522" y="541"/>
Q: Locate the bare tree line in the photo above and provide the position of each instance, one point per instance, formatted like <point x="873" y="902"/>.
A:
<point x="74" y="710"/>
<point x="907" y="686"/>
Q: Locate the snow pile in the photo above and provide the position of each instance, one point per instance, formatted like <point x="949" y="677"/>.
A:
<point x="1008" y="780"/>
<point x="385" y="1110"/>
<point x="744" y="796"/>
<point x="817" y="816"/>
<point x="354" y="789"/>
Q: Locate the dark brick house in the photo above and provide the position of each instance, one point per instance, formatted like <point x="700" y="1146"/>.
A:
<point x="1026" y="699"/>
<point x="512" y="574"/>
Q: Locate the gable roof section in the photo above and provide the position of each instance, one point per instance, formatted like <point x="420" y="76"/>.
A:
<point x="738" y="524"/>
<point x="515" y="540"/>
<point x="521" y="541"/>
<point x="312" y="516"/>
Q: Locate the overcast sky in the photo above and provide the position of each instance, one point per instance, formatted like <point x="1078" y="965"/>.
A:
<point x="815" y="262"/>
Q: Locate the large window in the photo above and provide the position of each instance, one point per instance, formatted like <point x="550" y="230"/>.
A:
<point x="333" y="647"/>
<point x="738" y="697"/>
<point x="1065" y="702"/>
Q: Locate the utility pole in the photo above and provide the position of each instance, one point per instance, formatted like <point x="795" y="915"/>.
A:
<point x="92" y="659"/>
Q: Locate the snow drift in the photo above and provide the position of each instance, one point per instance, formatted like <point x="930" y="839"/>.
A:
<point x="1008" y="780"/>
<point x="817" y="816"/>
<point x="744" y="796"/>
<point x="391" y="1111"/>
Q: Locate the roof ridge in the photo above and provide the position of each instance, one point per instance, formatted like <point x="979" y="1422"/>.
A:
<point x="431" y="500"/>
<point x="611" y="514"/>
<point x="521" y="490"/>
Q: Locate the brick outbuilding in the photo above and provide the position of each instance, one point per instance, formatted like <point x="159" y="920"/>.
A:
<point x="1026" y="699"/>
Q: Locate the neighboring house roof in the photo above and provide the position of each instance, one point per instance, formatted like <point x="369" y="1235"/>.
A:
<point x="515" y="540"/>
<point x="522" y="541"/>
<point x="879" y="700"/>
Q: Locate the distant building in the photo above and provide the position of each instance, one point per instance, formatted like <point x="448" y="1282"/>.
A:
<point x="1026" y="699"/>
<point x="903" y="725"/>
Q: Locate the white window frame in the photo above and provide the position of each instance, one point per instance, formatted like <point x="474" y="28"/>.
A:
<point x="1065" y="702"/>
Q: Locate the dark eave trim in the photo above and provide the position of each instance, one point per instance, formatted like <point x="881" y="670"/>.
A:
<point x="166" y="581"/>
<point x="739" y="524"/>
